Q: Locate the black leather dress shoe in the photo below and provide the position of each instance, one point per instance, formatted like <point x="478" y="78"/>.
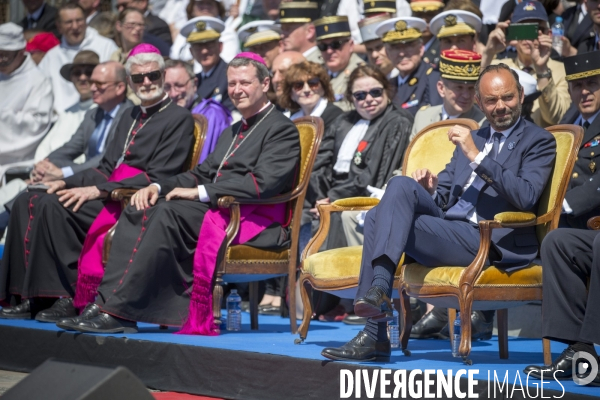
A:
<point x="268" y="309"/>
<point x="105" y="323"/>
<point x="428" y="327"/>
<point x="361" y="348"/>
<point x="90" y="311"/>
<point x="480" y="329"/>
<point x="563" y="366"/>
<point x="375" y="304"/>
<point x="22" y="311"/>
<point x="62" y="308"/>
<point x="353" y="319"/>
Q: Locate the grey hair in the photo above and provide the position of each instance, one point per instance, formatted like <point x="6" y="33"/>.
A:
<point x="145" y="58"/>
<point x="180" y="64"/>
<point x="498" y="68"/>
<point x="262" y="71"/>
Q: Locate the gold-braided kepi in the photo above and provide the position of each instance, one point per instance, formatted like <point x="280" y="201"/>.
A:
<point x="298" y="12"/>
<point x="401" y="30"/>
<point x="460" y="65"/>
<point x="259" y="32"/>
<point x="426" y="5"/>
<point x="455" y="23"/>
<point x="379" y="6"/>
<point x="332" y="27"/>
<point x="202" y="29"/>
<point x="582" y="65"/>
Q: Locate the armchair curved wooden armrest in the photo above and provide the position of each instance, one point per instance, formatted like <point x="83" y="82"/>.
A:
<point x="325" y="210"/>
<point x="594" y="223"/>
<point x="123" y="195"/>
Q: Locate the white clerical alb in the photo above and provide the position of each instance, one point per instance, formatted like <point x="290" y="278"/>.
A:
<point x="349" y="145"/>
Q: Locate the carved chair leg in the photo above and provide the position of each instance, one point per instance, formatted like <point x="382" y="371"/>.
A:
<point x="292" y="307"/>
<point x="253" y="286"/>
<point x="307" y="307"/>
<point x="107" y="244"/>
<point x="217" y="299"/>
<point x="465" y="326"/>
<point x="451" y="319"/>
<point x="406" y="320"/>
<point x="502" y="316"/>
<point x="547" y="351"/>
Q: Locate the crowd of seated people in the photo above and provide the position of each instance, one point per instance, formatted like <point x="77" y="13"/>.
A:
<point x="94" y="100"/>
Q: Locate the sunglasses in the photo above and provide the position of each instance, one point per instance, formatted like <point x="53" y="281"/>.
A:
<point x="312" y="84"/>
<point x="375" y="93"/>
<point x="335" y="45"/>
<point x="82" y="70"/>
<point x="152" y="75"/>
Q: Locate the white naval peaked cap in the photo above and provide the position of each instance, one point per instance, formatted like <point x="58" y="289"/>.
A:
<point x="455" y="22"/>
<point x="11" y="37"/>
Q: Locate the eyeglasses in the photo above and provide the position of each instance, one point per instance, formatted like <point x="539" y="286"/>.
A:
<point x="335" y="45"/>
<point x="361" y="95"/>
<point x="82" y="70"/>
<point x="152" y="75"/>
<point x="132" y="25"/>
<point x="177" y="86"/>
<point x="312" y="84"/>
<point x="101" y="85"/>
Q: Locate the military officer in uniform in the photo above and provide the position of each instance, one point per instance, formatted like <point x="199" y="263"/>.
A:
<point x="373" y="8"/>
<point x="203" y="35"/>
<point x="261" y="37"/>
<point x="417" y="81"/>
<point x="336" y="46"/>
<point x="533" y="57"/>
<point x="582" y="200"/>
<point x="297" y="29"/>
<point x="456" y="29"/>
<point x="427" y="10"/>
<point x="459" y="70"/>
<point x="376" y="54"/>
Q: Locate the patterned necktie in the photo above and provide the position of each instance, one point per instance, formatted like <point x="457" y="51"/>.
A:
<point x="468" y="200"/>
<point x="97" y="137"/>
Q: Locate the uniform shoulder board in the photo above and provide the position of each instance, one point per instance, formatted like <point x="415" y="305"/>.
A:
<point x="429" y="70"/>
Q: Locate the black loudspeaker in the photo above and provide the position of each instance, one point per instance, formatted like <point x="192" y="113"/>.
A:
<point x="59" y="380"/>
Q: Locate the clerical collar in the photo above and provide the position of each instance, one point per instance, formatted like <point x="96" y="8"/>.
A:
<point x="37" y="13"/>
<point x="580" y="120"/>
<point x="506" y="133"/>
<point x="154" y="107"/>
<point x="250" y="120"/>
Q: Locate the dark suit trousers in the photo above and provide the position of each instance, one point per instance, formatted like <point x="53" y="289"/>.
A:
<point x="570" y="257"/>
<point x="407" y="220"/>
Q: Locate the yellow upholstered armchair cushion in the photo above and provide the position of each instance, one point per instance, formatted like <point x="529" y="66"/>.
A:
<point x="514" y="217"/>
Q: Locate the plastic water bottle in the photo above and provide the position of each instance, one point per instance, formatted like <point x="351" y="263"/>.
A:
<point x="456" y="337"/>
<point x="558" y="31"/>
<point x="394" y="329"/>
<point x="234" y="311"/>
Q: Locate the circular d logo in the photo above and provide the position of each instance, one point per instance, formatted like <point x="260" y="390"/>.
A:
<point x="584" y="372"/>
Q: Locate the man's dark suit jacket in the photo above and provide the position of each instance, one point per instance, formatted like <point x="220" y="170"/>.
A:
<point x="159" y="28"/>
<point x="583" y="194"/>
<point x="583" y="36"/>
<point x="215" y="86"/>
<point x="79" y="142"/>
<point x="514" y="182"/>
<point x="46" y="22"/>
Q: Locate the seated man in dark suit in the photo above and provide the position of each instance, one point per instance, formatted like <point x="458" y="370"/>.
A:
<point x="433" y="220"/>
<point x="40" y="16"/>
<point x="96" y="130"/>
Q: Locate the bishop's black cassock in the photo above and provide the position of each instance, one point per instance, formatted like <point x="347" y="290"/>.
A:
<point x="45" y="239"/>
<point x="149" y="276"/>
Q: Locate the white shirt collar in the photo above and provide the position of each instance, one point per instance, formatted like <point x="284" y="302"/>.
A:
<point x="446" y="116"/>
<point x="316" y="112"/>
<point x="393" y="73"/>
<point x="256" y="113"/>
<point x="145" y="108"/>
<point x="90" y="17"/>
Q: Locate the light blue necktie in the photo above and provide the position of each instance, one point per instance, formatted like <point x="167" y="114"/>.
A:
<point x="97" y="137"/>
<point x="468" y="200"/>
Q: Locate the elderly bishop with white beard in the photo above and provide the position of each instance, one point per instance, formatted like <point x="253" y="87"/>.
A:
<point x="54" y="242"/>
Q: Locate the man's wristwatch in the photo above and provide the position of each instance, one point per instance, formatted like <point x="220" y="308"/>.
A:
<point x="547" y="74"/>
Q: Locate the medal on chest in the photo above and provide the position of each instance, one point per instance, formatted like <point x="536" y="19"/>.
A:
<point x="358" y="155"/>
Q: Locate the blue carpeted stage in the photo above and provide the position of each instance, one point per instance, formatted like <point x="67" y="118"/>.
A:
<point x="262" y="364"/>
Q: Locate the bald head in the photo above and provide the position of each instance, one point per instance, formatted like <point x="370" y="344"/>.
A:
<point x="109" y="84"/>
<point x="281" y="64"/>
